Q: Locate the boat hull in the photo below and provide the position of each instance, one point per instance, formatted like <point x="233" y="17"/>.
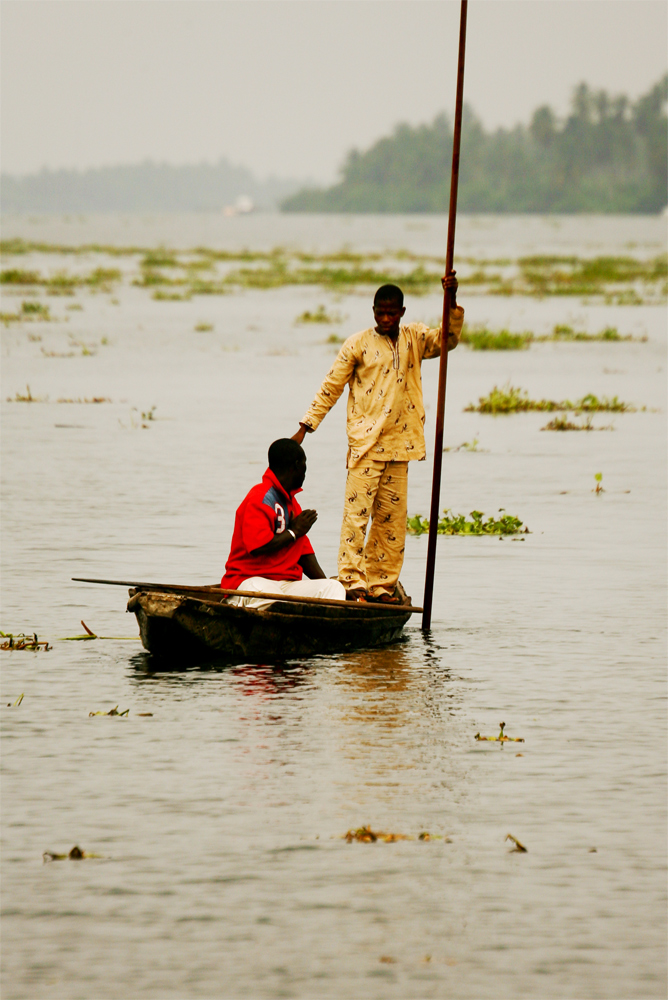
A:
<point x="178" y="627"/>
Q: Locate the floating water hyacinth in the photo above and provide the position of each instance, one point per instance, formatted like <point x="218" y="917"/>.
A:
<point x="457" y="524"/>
<point x="114" y="711"/>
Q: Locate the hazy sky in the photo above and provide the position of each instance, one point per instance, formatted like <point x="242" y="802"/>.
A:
<point x="288" y="86"/>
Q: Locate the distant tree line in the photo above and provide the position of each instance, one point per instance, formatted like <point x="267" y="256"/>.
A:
<point x="144" y="187"/>
<point x="608" y="155"/>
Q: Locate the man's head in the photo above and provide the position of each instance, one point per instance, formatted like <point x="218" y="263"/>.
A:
<point x="287" y="460"/>
<point x="388" y="308"/>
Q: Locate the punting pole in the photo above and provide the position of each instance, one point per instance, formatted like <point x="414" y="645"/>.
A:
<point x="443" y="367"/>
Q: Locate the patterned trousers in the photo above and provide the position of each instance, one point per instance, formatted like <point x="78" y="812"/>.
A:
<point x="375" y="490"/>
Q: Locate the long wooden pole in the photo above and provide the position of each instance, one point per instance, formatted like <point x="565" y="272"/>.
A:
<point x="443" y="367"/>
<point x="220" y="593"/>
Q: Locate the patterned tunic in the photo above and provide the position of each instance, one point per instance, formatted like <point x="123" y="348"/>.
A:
<point x="385" y="409"/>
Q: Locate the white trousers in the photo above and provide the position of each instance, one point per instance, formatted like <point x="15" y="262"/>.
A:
<point x="330" y="589"/>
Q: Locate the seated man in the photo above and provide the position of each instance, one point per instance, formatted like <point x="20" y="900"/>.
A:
<point x="270" y="551"/>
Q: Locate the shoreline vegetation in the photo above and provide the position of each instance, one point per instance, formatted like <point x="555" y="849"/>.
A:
<point x="607" y="155"/>
<point x="174" y="275"/>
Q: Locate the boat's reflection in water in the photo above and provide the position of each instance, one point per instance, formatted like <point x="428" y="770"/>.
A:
<point x="387" y="686"/>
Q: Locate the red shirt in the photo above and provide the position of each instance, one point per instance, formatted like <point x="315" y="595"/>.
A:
<point x="266" y="511"/>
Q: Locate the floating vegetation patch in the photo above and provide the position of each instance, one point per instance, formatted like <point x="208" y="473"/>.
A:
<point x="17" y="702"/>
<point x="92" y="399"/>
<point x="16" y="276"/>
<point x="27" y="398"/>
<point x="32" y="309"/>
<point x="510" y="399"/>
<point x="501" y="738"/>
<point x="481" y="339"/>
<point x="520" y="848"/>
<point x="140" y="419"/>
<point x="564" y="424"/>
<point x="161" y="296"/>
<point x="101" y="277"/>
<point x="365" y="835"/>
<point x="598" y="478"/>
<point x="159" y="258"/>
<point x="467" y="446"/>
<point x="335" y="339"/>
<point x="319" y="315"/>
<point x="89" y="634"/>
<point x="567" y="333"/>
<point x="76" y="854"/>
<point x="620" y="280"/>
<point x="150" y="277"/>
<point x="203" y="328"/>
<point x="113" y="711"/>
<point x="554" y="275"/>
<point x="459" y="524"/>
<point x="23" y="640"/>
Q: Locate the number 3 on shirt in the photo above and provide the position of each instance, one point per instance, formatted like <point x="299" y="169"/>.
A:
<point x="280" y="514"/>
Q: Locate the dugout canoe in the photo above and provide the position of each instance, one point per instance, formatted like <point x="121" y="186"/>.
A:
<point x="196" y="623"/>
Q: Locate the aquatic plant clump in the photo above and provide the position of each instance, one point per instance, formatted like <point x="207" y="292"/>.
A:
<point x="100" y="277"/>
<point x="482" y="339"/>
<point x="30" y="310"/>
<point x="459" y="524"/>
<point x="510" y="399"/>
<point x="564" y="424"/>
<point x="365" y="835"/>
<point x="319" y="315"/>
<point x="610" y="333"/>
<point x="23" y="640"/>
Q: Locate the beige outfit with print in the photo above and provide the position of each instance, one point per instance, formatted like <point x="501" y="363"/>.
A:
<point x="385" y="423"/>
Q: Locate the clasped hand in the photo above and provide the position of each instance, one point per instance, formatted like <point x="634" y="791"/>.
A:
<point x="302" y="523"/>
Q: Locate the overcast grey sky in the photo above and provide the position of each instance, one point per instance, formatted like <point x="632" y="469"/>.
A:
<point x="288" y="86"/>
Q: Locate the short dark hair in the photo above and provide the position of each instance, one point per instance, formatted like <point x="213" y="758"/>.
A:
<point x="284" y="454"/>
<point x="389" y="293"/>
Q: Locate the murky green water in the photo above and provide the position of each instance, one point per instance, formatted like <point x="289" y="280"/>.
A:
<point x="221" y="817"/>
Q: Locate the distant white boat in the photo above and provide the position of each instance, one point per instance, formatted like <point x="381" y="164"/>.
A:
<point x="243" y="205"/>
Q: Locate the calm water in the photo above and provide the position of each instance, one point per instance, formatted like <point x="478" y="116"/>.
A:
<point x="220" y="818"/>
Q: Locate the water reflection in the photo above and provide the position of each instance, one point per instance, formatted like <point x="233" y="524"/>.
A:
<point x="391" y="684"/>
<point x="268" y="682"/>
<point x="264" y="680"/>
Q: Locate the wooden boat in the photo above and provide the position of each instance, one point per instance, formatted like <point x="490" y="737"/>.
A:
<point x="190" y="623"/>
<point x="182" y="624"/>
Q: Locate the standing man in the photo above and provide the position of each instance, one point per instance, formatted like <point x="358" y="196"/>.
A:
<point x="385" y="425"/>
